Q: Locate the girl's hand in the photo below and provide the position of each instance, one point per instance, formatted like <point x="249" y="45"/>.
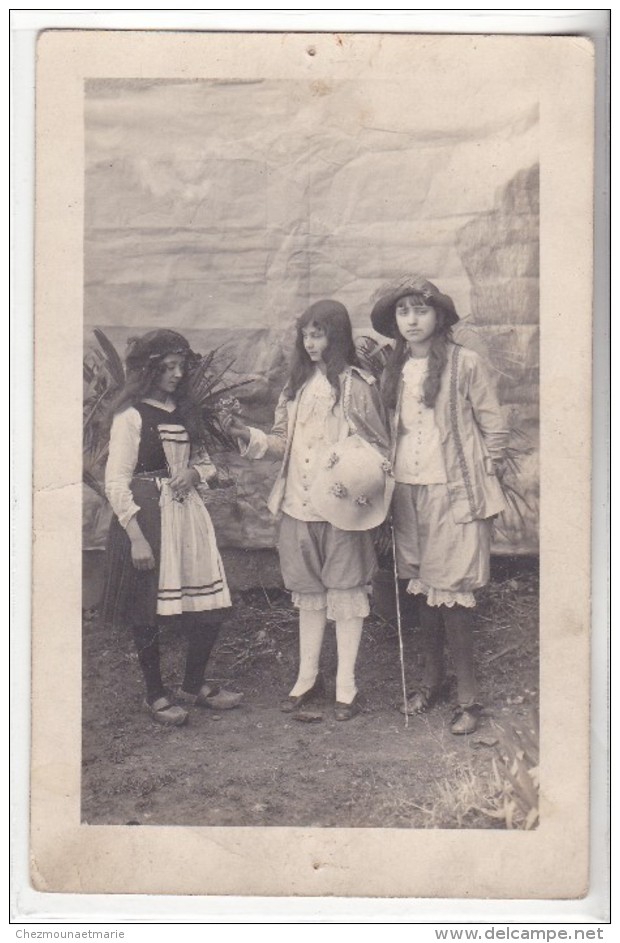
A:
<point x="141" y="554"/>
<point x="183" y="481"/>
<point x="500" y="468"/>
<point x="236" y="428"/>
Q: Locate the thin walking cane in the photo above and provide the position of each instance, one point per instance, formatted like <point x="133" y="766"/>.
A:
<point x="399" y="624"/>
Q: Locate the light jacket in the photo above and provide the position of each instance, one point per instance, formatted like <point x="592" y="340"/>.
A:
<point x="472" y="432"/>
<point x="363" y="412"/>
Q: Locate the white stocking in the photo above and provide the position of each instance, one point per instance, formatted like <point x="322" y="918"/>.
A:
<point x="348" y="637"/>
<point x="311" y="631"/>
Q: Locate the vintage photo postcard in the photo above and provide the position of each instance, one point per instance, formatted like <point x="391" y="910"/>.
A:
<point x="313" y="332"/>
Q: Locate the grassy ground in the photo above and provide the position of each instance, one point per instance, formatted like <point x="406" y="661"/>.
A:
<point x="256" y="766"/>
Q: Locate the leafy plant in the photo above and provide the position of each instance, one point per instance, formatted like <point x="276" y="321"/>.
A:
<point x="516" y="769"/>
<point x="372" y="355"/>
<point x="207" y="386"/>
<point x="507" y="793"/>
<point x="103" y="378"/>
<point x="516" y="503"/>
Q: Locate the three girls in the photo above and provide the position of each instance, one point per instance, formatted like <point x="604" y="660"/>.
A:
<point x="448" y="439"/>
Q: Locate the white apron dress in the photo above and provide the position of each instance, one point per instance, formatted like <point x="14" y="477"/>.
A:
<point x="191" y="574"/>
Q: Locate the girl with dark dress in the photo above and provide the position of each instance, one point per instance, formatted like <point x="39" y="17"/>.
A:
<point x="163" y="560"/>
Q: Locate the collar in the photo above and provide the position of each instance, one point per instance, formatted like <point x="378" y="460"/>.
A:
<point x="364" y="374"/>
<point x="168" y="406"/>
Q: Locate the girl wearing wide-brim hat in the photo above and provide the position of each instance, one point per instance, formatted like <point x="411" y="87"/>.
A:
<point x="449" y="438"/>
<point x="329" y="420"/>
<point x="163" y="564"/>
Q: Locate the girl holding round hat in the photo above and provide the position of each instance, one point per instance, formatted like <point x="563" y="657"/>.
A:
<point x="329" y="414"/>
<point x="163" y="560"/>
<point x="448" y="444"/>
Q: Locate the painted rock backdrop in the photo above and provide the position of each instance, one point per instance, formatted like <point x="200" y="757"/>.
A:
<point x="222" y="209"/>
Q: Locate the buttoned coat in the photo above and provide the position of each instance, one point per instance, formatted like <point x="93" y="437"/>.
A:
<point x="363" y="412"/>
<point x="473" y="433"/>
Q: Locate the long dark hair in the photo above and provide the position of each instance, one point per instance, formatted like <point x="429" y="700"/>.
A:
<point x="333" y="318"/>
<point x="437" y="358"/>
<point x="143" y="365"/>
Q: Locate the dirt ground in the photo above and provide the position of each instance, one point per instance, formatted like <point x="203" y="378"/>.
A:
<point x="257" y="766"/>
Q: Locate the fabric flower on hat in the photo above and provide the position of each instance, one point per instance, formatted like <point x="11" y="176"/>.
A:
<point x="358" y="474"/>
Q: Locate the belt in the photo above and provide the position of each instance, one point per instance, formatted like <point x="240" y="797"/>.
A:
<point x="152" y="475"/>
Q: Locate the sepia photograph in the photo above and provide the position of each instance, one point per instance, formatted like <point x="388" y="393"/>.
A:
<point x="269" y="241"/>
<point x="315" y="571"/>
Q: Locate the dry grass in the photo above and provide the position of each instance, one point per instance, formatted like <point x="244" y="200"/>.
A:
<point x="278" y="623"/>
<point x="507" y="792"/>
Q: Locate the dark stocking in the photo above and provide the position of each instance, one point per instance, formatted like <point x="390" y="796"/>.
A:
<point x="408" y="605"/>
<point x="459" y="630"/>
<point x="433" y="640"/>
<point x="146" y="639"/>
<point x="201" y="635"/>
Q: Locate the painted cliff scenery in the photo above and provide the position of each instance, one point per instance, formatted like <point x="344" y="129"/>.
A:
<point x="222" y="209"/>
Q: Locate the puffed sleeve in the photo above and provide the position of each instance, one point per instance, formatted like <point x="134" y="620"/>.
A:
<point x="269" y="443"/>
<point x="122" y="460"/>
<point x="365" y="411"/>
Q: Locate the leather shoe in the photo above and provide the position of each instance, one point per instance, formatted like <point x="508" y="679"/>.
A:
<point x="166" y="712"/>
<point x="347" y="711"/>
<point x="293" y="703"/>
<point x="465" y="721"/>
<point x="211" y="695"/>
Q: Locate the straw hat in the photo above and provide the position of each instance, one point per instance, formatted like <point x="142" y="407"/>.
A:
<point x="382" y="316"/>
<point x="353" y="486"/>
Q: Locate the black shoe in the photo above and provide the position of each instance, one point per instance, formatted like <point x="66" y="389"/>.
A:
<point x="290" y="703"/>
<point x="465" y="720"/>
<point x="347" y="711"/>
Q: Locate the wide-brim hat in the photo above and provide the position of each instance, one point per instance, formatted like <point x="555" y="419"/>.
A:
<point x="353" y="485"/>
<point x="382" y="316"/>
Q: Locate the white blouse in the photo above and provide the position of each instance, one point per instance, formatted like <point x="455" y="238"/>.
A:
<point x="318" y="425"/>
<point x="419" y="456"/>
